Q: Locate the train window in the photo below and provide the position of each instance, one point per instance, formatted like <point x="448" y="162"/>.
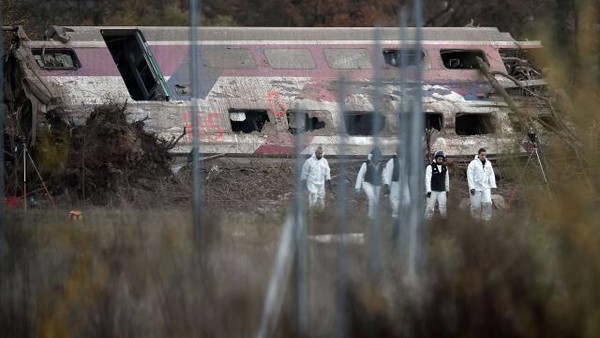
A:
<point x="548" y="121"/>
<point x="461" y="58"/>
<point x="398" y="57"/>
<point x="54" y="59"/>
<point x="310" y="121"/>
<point x="289" y="58"/>
<point x="348" y="58"/>
<point x="434" y="121"/>
<point x="475" y="124"/>
<point x="248" y="120"/>
<point x="230" y="58"/>
<point x="363" y="123"/>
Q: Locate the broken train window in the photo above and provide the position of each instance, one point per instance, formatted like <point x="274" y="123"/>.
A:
<point x="56" y="58"/>
<point x="434" y="121"/>
<point x="475" y="124"/>
<point x="360" y="123"/>
<point x="399" y="57"/>
<point x="461" y="58"/>
<point x="136" y="63"/>
<point x="309" y="121"/>
<point x="548" y="121"/>
<point x="248" y="120"/>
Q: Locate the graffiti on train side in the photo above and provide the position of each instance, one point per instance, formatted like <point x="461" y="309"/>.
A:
<point x="210" y="128"/>
<point x="276" y="106"/>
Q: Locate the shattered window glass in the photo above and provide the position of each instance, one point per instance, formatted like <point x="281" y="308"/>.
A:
<point x="348" y="58"/>
<point x="248" y="120"/>
<point x="230" y="58"/>
<point x="56" y="58"/>
<point x="318" y="122"/>
<point x="289" y="58"/>
<point x="434" y="121"/>
<point x="475" y="124"/>
<point x="360" y="123"/>
<point x="398" y="57"/>
<point x="461" y="58"/>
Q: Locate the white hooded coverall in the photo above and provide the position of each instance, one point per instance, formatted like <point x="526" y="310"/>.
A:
<point x="397" y="194"/>
<point x="371" y="190"/>
<point x="315" y="172"/>
<point x="439" y="196"/>
<point x="481" y="178"/>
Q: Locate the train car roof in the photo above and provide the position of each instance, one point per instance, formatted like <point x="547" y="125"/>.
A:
<point x="170" y="33"/>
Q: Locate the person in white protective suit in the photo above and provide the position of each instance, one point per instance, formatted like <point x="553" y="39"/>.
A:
<point x="369" y="178"/>
<point x="315" y="174"/>
<point x="394" y="185"/>
<point x="481" y="179"/>
<point x="437" y="185"/>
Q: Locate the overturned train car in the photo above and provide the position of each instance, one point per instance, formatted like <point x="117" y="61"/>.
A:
<point x="253" y="82"/>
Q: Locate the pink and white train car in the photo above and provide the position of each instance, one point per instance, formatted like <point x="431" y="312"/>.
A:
<point x="254" y="81"/>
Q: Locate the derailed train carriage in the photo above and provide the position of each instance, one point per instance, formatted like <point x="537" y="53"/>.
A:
<point x="254" y="82"/>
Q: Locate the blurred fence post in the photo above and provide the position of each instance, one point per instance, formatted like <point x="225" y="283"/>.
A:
<point x="376" y="99"/>
<point x="416" y="172"/>
<point x="342" y="218"/>
<point x="300" y="231"/>
<point x="278" y="281"/>
<point x="403" y="137"/>
<point x="3" y="244"/>
<point x="195" y="13"/>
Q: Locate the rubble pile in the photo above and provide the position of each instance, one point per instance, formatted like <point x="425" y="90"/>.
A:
<point x="111" y="157"/>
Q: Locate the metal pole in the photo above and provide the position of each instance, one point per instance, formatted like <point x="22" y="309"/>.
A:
<point x="403" y="138"/>
<point x="416" y="174"/>
<point x="195" y="83"/>
<point x="342" y="218"/>
<point x="301" y="260"/>
<point x="24" y="176"/>
<point x="376" y="97"/>
<point x="2" y="239"/>
<point x="278" y="280"/>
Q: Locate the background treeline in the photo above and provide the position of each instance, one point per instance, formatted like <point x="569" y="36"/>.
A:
<point x="516" y="16"/>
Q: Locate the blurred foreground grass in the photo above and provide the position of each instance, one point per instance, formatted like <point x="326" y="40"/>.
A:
<point x="133" y="273"/>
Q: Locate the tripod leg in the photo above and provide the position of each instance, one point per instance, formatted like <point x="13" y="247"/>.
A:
<point x="541" y="166"/>
<point x="42" y="181"/>
<point x="24" y="177"/>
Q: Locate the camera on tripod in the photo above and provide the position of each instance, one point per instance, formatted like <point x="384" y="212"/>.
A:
<point x="532" y="135"/>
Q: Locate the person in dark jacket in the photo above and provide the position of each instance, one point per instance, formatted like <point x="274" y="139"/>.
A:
<point x="437" y="185"/>
<point x="369" y="178"/>
<point x="394" y="185"/>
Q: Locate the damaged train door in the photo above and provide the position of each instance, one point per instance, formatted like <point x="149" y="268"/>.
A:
<point x="137" y="64"/>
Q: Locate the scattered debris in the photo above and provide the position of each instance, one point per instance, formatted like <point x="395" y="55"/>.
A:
<point x="355" y="238"/>
<point x="498" y="202"/>
<point x="75" y="215"/>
